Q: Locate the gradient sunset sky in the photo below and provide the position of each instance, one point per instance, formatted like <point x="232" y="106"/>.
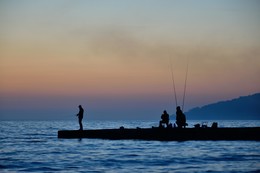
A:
<point x="113" y="56"/>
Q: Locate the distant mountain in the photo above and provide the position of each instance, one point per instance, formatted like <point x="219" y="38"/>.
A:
<point x="242" y="108"/>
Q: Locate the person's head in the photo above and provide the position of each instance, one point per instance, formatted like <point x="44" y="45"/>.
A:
<point x="165" y="112"/>
<point x="178" y="108"/>
<point x="80" y="106"/>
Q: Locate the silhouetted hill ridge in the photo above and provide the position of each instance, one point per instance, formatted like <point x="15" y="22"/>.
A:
<point x="244" y="107"/>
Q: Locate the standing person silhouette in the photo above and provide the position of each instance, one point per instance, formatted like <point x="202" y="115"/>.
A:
<point x="80" y="116"/>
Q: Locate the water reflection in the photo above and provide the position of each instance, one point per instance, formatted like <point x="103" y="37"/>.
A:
<point x="34" y="146"/>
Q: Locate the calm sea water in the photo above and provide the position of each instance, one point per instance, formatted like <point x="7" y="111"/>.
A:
<point x="33" y="146"/>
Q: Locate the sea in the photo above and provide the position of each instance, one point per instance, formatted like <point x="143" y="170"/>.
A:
<point x="33" y="146"/>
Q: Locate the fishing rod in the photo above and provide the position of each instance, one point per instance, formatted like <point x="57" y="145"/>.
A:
<point x="185" y="85"/>
<point x="173" y="83"/>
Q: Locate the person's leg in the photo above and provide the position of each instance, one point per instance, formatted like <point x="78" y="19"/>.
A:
<point x="80" y="124"/>
<point x="167" y="123"/>
<point x="160" y="124"/>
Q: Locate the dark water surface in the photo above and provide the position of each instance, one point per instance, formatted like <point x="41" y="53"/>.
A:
<point x="33" y="146"/>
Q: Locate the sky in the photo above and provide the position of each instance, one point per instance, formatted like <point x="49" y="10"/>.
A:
<point x="116" y="57"/>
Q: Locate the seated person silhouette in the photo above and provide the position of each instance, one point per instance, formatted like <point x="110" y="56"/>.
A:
<point x="164" y="119"/>
<point x="180" y="118"/>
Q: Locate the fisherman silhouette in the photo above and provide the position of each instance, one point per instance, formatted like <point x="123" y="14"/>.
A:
<point x="180" y="118"/>
<point x="80" y="117"/>
<point x="165" y="119"/>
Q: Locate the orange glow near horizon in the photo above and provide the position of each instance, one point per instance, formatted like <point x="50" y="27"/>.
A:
<point x="113" y="74"/>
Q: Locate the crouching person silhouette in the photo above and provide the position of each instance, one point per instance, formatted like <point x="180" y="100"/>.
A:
<point x="164" y="119"/>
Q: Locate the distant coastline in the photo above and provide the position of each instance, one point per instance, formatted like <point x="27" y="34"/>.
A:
<point x="242" y="108"/>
